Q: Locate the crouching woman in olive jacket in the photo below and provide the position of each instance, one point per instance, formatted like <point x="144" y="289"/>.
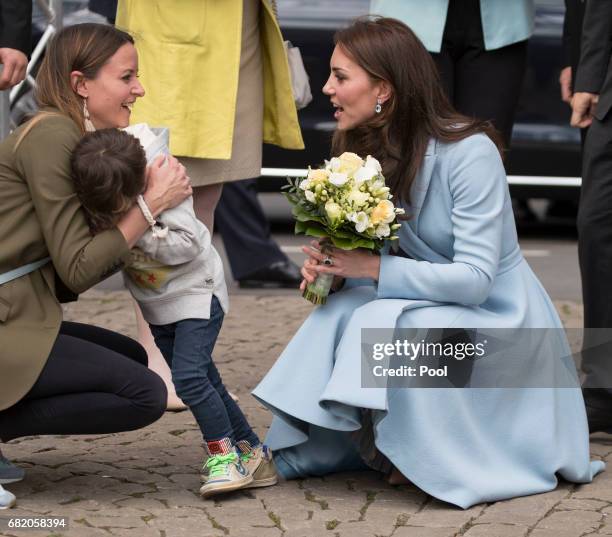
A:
<point x="58" y="377"/>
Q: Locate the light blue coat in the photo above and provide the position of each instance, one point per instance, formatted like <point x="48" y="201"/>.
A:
<point x="465" y="445"/>
<point x="504" y="22"/>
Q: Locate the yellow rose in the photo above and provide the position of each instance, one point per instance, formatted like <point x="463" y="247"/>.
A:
<point x="383" y="213"/>
<point x="349" y="163"/>
<point x="317" y="176"/>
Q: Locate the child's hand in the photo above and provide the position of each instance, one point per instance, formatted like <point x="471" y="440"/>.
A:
<point x="167" y="184"/>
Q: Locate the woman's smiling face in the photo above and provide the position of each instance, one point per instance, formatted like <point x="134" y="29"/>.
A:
<point x="351" y="91"/>
<point x="111" y="94"/>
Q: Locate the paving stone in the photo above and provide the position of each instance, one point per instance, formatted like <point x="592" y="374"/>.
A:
<point x="579" y="522"/>
<point x="581" y="505"/>
<point x="524" y="511"/>
<point x="441" y="515"/>
<point x="120" y="521"/>
<point x="552" y="533"/>
<point x="141" y="532"/>
<point x="417" y="531"/>
<point x="496" y="530"/>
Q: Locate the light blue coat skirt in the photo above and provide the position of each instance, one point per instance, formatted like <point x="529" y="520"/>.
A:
<point x="461" y="445"/>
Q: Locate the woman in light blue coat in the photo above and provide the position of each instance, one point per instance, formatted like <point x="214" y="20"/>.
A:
<point x="461" y="267"/>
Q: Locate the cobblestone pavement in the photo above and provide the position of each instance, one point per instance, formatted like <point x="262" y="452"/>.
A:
<point x="145" y="483"/>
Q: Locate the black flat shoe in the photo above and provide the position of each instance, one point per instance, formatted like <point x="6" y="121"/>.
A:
<point x="278" y="275"/>
<point x="599" y="410"/>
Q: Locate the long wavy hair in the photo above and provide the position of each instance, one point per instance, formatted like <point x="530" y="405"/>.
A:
<point x="417" y="110"/>
<point x="82" y="47"/>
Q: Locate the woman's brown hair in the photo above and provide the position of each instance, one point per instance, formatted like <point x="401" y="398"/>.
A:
<point x="108" y="169"/>
<point x="81" y="47"/>
<point x="417" y="110"/>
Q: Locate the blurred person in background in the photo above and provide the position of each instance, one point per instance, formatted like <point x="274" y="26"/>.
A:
<point x="219" y="79"/>
<point x="15" y="32"/>
<point x="254" y="257"/>
<point x="481" y="56"/>
<point x="591" y="103"/>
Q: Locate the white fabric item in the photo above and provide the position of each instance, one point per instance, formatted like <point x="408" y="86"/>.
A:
<point x="7" y="499"/>
<point x="299" y="77"/>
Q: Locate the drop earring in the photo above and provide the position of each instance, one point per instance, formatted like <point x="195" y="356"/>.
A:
<point x="378" y="107"/>
<point x="89" y="126"/>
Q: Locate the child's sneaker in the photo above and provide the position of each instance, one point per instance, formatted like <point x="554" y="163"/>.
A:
<point x="258" y="461"/>
<point x="224" y="469"/>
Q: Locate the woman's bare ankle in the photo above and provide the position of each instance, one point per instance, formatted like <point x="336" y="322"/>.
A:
<point x="397" y="478"/>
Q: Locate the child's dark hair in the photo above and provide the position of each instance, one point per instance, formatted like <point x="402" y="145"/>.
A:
<point x="108" y="168"/>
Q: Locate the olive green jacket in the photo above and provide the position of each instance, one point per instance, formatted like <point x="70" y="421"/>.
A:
<point x="41" y="216"/>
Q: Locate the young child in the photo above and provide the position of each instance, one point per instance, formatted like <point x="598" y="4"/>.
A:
<point x="176" y="276"/>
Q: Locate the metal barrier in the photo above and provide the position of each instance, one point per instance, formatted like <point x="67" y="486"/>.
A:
<point x="54" y="12"/>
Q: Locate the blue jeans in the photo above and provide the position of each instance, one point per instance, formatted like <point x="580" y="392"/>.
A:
<point x="187" y="346"/>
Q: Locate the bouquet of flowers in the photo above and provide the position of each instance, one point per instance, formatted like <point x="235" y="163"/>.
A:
<point x="347" y="203"/>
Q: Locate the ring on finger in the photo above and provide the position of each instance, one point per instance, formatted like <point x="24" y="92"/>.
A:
<point x="328" y="261"/>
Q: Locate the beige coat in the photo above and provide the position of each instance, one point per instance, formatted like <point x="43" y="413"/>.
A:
<point x="41" y="216"/>
<point x="189" y="61"/>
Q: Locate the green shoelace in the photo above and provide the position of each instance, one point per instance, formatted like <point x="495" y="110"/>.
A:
<point x="245" y="457"/>
<point x="218" y="463"/>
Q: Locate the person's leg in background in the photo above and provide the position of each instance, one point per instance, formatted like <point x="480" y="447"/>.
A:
<point x="254" y="257"/>
<point x="486" y="84"/>
<point x="156" y="361"/>
<point x="205" y="201"/>
<point x="595" y="255"/>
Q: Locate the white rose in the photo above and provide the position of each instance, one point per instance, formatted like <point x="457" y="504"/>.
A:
<point x="338" y="179"/>
<point x="310" y="196"/>
<point x="361" y="222"/>
<point x="383" y="230"/>
<point x="371" y="162"/>
<point x="365" y="173"/>
<point x="383" y="213"/>
<point x="334" y="164"/>
<point x="305" y="184"/>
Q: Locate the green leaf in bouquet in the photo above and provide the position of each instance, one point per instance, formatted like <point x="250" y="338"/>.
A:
<point x="303" y="215"/>
<point x="312" y="229"/>
<point x="353" y="243"/>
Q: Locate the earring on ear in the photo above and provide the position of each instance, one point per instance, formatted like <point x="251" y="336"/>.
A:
<point x="89" y="126"/>
<point x="378" y="107"/>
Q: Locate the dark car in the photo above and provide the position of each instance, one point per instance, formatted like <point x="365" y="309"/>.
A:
<point x="545" y="150"/>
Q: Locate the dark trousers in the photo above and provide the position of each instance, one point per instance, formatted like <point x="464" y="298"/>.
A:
<point x="245" y="229"/>
<point x="595" y="253"/>
<point x="187" y="346"/>
<point x="94" y="382"/>
<point x="484" y="84"/>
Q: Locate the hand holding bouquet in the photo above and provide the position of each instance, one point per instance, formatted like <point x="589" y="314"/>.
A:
<point x="347" y="203"/>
